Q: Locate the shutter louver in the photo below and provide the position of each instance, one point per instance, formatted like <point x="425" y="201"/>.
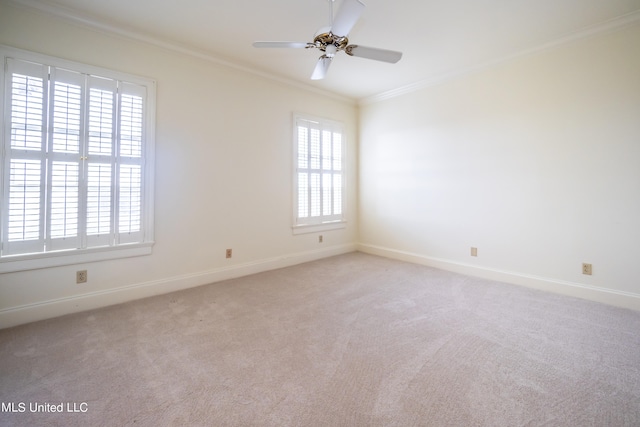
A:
<point x="337" y="151"/>
<point x="100" y="140"/>
<point x="327" y="191"/>
<point x="337" y="194"/>
<point x="314" y="199"/>
<point x="27" y="98"/>
<point x="130" y="126"/>
<point x="98" y="199"/>
<point x="327" y="155"/>
<point x="130" y="199"/>
<point x="66" y="118"/>
<point x="64" y="200"/>
<point x="303" y="147"/>
<point x="314" y="149"/>
<point x="24" y="200"/>
<point x="303" y="195"/>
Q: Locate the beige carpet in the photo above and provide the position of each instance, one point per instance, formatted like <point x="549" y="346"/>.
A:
<point x="353" y="340"/>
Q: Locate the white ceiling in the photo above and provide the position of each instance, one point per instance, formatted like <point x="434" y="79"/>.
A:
<point x="438" y="38"/>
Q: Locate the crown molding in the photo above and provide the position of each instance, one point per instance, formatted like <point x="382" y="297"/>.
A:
<point x="104" y="27"/>
<point x="609" y="26"/>
<point x="96" y="24"/>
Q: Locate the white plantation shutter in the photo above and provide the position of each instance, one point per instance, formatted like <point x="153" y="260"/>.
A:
<point x="65" y="107"/>
<point x="130" y="161"/>
<point x="337" y="173"/>
<point x="74" y="160"/>
<point x="319" y="175"/>
<point x="23" y="205"/>
<point x="100" y="162"/>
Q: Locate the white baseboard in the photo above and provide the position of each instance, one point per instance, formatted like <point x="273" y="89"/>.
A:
<point x="578" y="290"/>
<point x="48" y="309"/>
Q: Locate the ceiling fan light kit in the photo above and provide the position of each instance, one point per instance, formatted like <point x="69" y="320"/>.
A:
<point x="333" y="39"/>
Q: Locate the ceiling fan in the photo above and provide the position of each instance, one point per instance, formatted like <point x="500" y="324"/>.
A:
<point x="334" y="39"/>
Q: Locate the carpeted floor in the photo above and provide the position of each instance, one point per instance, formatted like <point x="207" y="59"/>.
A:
<point x="352" y="340"/>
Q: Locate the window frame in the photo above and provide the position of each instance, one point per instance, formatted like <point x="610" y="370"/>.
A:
<point x="338" y="221"/>
<point x="35" y="260"/>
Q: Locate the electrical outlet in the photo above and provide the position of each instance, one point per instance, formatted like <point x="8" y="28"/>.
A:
<point x="81" y="276"/>
<point x="586" y="268"/>
<point x="474" y="251"/>
<point x="229" y="253"/>
<point x="320" y="238"/>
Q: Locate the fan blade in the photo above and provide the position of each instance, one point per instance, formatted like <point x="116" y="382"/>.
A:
<point x="321" y="68"/>
<point x="347" y="16"/>
<point x="294" y="45"/>
<point x="374" y="53"/>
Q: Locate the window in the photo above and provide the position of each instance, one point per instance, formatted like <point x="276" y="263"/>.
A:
<point x="319" y="174"/>
<point x="77" y="162"/>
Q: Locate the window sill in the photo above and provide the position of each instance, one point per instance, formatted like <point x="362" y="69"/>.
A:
<point x="314" y="228"/>
<point x="16" y="263"/>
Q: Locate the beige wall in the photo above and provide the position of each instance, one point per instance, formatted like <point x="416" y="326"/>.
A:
<point x="223" y="173"/>
<point x="536" y="162"/>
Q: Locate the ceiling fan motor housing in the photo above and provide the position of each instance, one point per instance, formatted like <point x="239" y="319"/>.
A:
<point x="321" y="41"/>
